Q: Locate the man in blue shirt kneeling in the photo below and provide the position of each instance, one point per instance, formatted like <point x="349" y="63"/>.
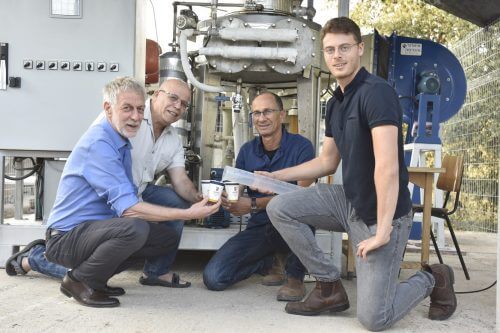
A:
<point x="252" y="250"/>
<point x="98" y="227"/>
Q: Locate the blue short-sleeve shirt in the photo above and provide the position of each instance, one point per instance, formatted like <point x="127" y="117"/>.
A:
<point x="96" y="183"/>
<point x="294" y="149"/>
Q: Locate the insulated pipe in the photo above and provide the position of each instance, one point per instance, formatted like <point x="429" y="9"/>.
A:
<point x="248" y="52"/>
<point x="187" y="69"/>
<point x="261" y="35"/>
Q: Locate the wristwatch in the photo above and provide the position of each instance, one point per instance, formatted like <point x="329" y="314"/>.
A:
<point x="253" y="205"/>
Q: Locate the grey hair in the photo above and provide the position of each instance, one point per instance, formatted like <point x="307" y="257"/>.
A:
<point x="119" y="85"/>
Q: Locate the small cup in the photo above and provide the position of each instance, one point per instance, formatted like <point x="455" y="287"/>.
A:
<point x="215" y="191"/>
<point x="205" y="187"/>
<point x="232" y="190"/>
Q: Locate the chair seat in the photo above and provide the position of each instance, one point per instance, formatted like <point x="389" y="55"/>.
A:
<point x="434" y="211"/>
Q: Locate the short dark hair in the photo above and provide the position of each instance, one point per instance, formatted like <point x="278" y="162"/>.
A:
<point x="277" y="99"/>
<point x="342" y="25"/>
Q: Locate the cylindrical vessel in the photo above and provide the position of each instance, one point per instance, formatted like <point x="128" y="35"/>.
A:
<point x="170" y="66"/>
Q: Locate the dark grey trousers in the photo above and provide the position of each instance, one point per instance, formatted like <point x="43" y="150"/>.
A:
<point x="96" y="250"/>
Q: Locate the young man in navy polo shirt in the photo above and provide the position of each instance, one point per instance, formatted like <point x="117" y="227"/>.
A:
<point x="251" y="251"/>
<point x="363" y="129"/>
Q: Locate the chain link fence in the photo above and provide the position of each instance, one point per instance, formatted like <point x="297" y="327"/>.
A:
<point x="474" y="131"/>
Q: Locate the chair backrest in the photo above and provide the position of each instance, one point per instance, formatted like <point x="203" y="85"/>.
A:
<point x="451" y="179"/>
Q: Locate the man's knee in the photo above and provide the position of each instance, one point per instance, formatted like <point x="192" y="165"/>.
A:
<point x="372" y="321"/>
<point x="212" y="277"/>
<point x="275" y="207"/>
<point x="136" y="232"/>
<point x="211" y="282"/>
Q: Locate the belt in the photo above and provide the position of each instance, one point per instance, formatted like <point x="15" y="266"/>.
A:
<point x="50" y="233"/>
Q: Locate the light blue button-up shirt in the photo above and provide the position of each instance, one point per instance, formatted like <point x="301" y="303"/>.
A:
<point x="96" y="183"/>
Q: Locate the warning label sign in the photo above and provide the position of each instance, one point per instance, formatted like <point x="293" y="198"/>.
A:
<point x="411" y="49"/>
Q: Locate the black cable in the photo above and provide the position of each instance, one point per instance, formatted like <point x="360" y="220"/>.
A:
<point x="476" y="291"/>
<point x="328" y="88"/>
<point x="34" y="169"/>
<point x="39" y="190"/>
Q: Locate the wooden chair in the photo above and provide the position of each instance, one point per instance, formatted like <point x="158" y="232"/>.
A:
<point x="449" y="182"/>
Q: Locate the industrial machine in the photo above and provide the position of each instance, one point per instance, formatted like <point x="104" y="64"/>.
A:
<point x="51" y="81"/>
<point x="58" y="70"/>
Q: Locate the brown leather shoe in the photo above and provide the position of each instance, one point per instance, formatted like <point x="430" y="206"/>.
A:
<point x="325" y="297"/>
<point x="85" y="295"/>
<point x="443" y="298"/>
<point x="293" y="290"/>
<point x="276" y="275"/>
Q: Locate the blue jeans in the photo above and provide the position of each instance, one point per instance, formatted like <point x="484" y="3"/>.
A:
<point x="158" y="195"/>
<point x="248" y="252"/>
<point x="382" y="298"/>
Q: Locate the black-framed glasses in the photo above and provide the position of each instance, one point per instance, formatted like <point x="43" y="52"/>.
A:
<point x="266" y="113"/>
<point x="343" y="49"/>
<point x="174" y="99"/>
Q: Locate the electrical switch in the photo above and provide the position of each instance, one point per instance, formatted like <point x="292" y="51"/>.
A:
<point x="77" y="65"/>
<point x="52" y="65"/>
<point x="64" y="65"/>
<point x="28" y="64"/>
<point x="101" y="66"/>
<point x="40" y="64"/>
<point x="113" y="67"/>
<point x="89" y="66"/>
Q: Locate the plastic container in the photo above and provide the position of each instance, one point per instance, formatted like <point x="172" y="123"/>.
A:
<point x="257" y="181"/>
<point x="215" y="191"/>
<point x="205" y="187"/>
<point x="232" y="190"/>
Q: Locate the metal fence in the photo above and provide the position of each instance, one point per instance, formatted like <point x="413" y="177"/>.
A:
<point x="474" y="131"/>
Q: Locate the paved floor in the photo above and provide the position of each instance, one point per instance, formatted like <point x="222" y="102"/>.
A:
<point x="33" y="303"/>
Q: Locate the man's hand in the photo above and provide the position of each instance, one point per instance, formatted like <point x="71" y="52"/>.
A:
<point x="238" y="208"/>
<point x="198" y="197"/>
<point x="371" y="244"/>
<point x="201" y="209"/>
<point x="266" y="174"/>
<point x="260" y="189"/>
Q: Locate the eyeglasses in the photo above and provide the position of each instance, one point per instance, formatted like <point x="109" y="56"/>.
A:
<point x="265" y="112"/>
<point x="343" y="49"/>
<point x="174" y="99"/>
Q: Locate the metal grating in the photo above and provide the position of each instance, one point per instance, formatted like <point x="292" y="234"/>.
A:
<point x="474" y="131"/>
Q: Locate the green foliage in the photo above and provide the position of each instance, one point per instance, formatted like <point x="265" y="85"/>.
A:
<point x="411" y="18"/>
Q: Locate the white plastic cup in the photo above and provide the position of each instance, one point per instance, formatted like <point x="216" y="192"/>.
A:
<point x="232" y="191"/>
<point x="215" y="191"/>
<point x="205" y="187"/>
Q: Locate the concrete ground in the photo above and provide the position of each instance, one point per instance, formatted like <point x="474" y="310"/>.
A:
<point x="33" y="303"/>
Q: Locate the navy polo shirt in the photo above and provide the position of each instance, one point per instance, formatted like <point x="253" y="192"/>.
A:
<point x="367" y="102"/>
<point x="294" y="149"/>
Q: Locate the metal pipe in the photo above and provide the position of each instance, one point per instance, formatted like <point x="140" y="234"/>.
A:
<point x="213" y="13"/>
<point x="311" y="12"/>
<point x="174" y="28"/>
<point x="206" y="4"/>
<point x="18" y="203"/>
<point x="261" y="35"/>
<point x="187" y="69"/>
<point x="248" y="52"/>
<point x="2" y="186"/>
